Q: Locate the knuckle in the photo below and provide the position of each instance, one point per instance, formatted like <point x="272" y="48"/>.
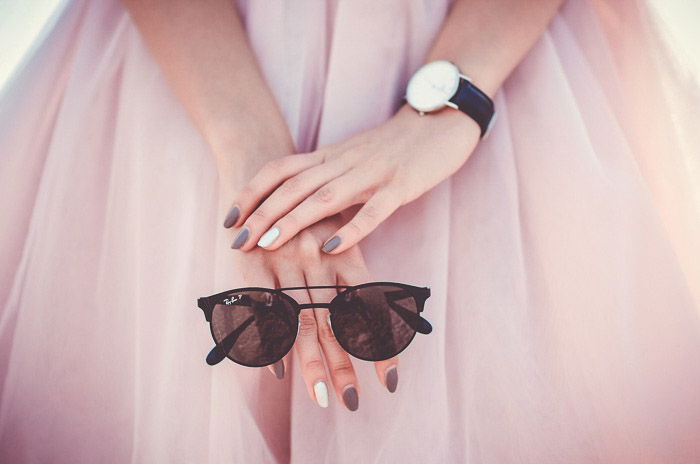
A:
<point x="364" y="195"/>
<point x="398" y="174"/>
<point x="368" y="213"/>
<point x="313" y="365"/>
<point x="258" y="215"/>
<point x="325" y="194"/>
<point x="342" y="368"/>
<point x="325" y="334"/>
<point x="308" y="245"/>
<point x="307" y="324"/>
<point x="353" y="227"/>
<point x="323" y="155"/>
<point x="291" y="185"/>
<point x="284" y="255"/>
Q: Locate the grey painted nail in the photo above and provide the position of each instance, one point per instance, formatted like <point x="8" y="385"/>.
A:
<point x="279" y="369"/>
<point x="392" y="378"/>
<point x="331" y="244"/>
<point x="241" y="238"/>
<point x="232" y="216"/>
<point x="350" y="398"/>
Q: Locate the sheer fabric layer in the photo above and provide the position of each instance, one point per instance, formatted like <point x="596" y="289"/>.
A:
<point x="563" y="257"/>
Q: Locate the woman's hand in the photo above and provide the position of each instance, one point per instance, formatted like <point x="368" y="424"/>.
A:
<point x="300" y="263"/>
<point x="381" y="168"/>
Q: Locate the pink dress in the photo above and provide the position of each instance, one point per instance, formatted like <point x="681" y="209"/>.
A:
<point x="563" y="257"/>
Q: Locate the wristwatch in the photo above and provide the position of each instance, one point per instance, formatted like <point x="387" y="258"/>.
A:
<point x="439" y="84"/>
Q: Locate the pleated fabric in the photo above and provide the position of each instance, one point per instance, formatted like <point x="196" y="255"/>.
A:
<point x="563" y="257"/>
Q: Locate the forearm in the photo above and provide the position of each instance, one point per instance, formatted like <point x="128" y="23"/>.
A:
<point x="487" y="39"/>
<point x="206" y="58"/>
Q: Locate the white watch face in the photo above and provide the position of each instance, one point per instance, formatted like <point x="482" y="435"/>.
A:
<point x="432" y="85"/>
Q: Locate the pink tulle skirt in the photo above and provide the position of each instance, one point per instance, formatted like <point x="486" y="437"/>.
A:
<point x="563" y="257"/>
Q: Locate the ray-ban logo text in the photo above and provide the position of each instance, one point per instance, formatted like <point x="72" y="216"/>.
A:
<point x="233" y="299"/>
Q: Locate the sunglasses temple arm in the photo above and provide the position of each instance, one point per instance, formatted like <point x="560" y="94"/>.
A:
<point x="418" y="323"/>
<point x="218" y="353"/>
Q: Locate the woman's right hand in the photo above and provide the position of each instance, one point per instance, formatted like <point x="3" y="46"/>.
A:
<point x="300" y="262"/>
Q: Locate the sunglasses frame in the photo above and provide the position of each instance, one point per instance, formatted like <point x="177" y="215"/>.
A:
<point x="419" y="294"/>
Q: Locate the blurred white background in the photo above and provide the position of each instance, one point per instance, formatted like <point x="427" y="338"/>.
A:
<point x="21" y="22"/>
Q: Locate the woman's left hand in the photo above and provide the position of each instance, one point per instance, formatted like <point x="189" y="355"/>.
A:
<point x="381" y="168"/>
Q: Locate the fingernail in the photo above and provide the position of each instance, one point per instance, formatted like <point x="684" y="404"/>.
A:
<point x="279" y="369"/>
<point x="269" y="237"/>
<point x="232" y="216"/>
<point x="392" y="378"/>
<point x="321" y="393"/>
<point x="331" y="244"/>
<point x="350" y="398"/>
<point x="241" y="238"/>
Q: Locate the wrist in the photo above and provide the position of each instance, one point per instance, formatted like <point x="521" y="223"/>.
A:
<point x="228" y="139"/>
<point x="448" y="124"/>
<point x="241" y="148"/>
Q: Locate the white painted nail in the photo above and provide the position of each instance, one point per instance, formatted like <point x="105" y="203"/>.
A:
<point x="321" y="393"/>
<point x="269" y="237"/>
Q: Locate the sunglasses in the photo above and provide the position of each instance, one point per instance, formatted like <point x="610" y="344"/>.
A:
<point x="256" y="326"/>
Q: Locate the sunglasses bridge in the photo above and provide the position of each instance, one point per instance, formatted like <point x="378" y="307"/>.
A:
<point x="313" y="305"/>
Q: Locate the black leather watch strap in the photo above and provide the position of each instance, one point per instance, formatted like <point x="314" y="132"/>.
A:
<point x="475" y="103"/>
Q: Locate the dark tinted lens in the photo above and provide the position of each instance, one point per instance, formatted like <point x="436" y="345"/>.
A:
<point x="374" y="322"/>
<point x="255" y="328"/>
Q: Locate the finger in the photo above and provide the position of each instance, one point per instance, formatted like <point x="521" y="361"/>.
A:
<point x="388" y="372"/>
<point x="370" y="215"/>
<point x="352" y="270"/>
<point x="272" y="174"/>
<point x="338" y="361"/>
<point x="278" y="368"/>
<point x="288" y="195"/>
<point x="307" y="348"/>
<point x="329" y="199"/>
<point x="258" y="275"/>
